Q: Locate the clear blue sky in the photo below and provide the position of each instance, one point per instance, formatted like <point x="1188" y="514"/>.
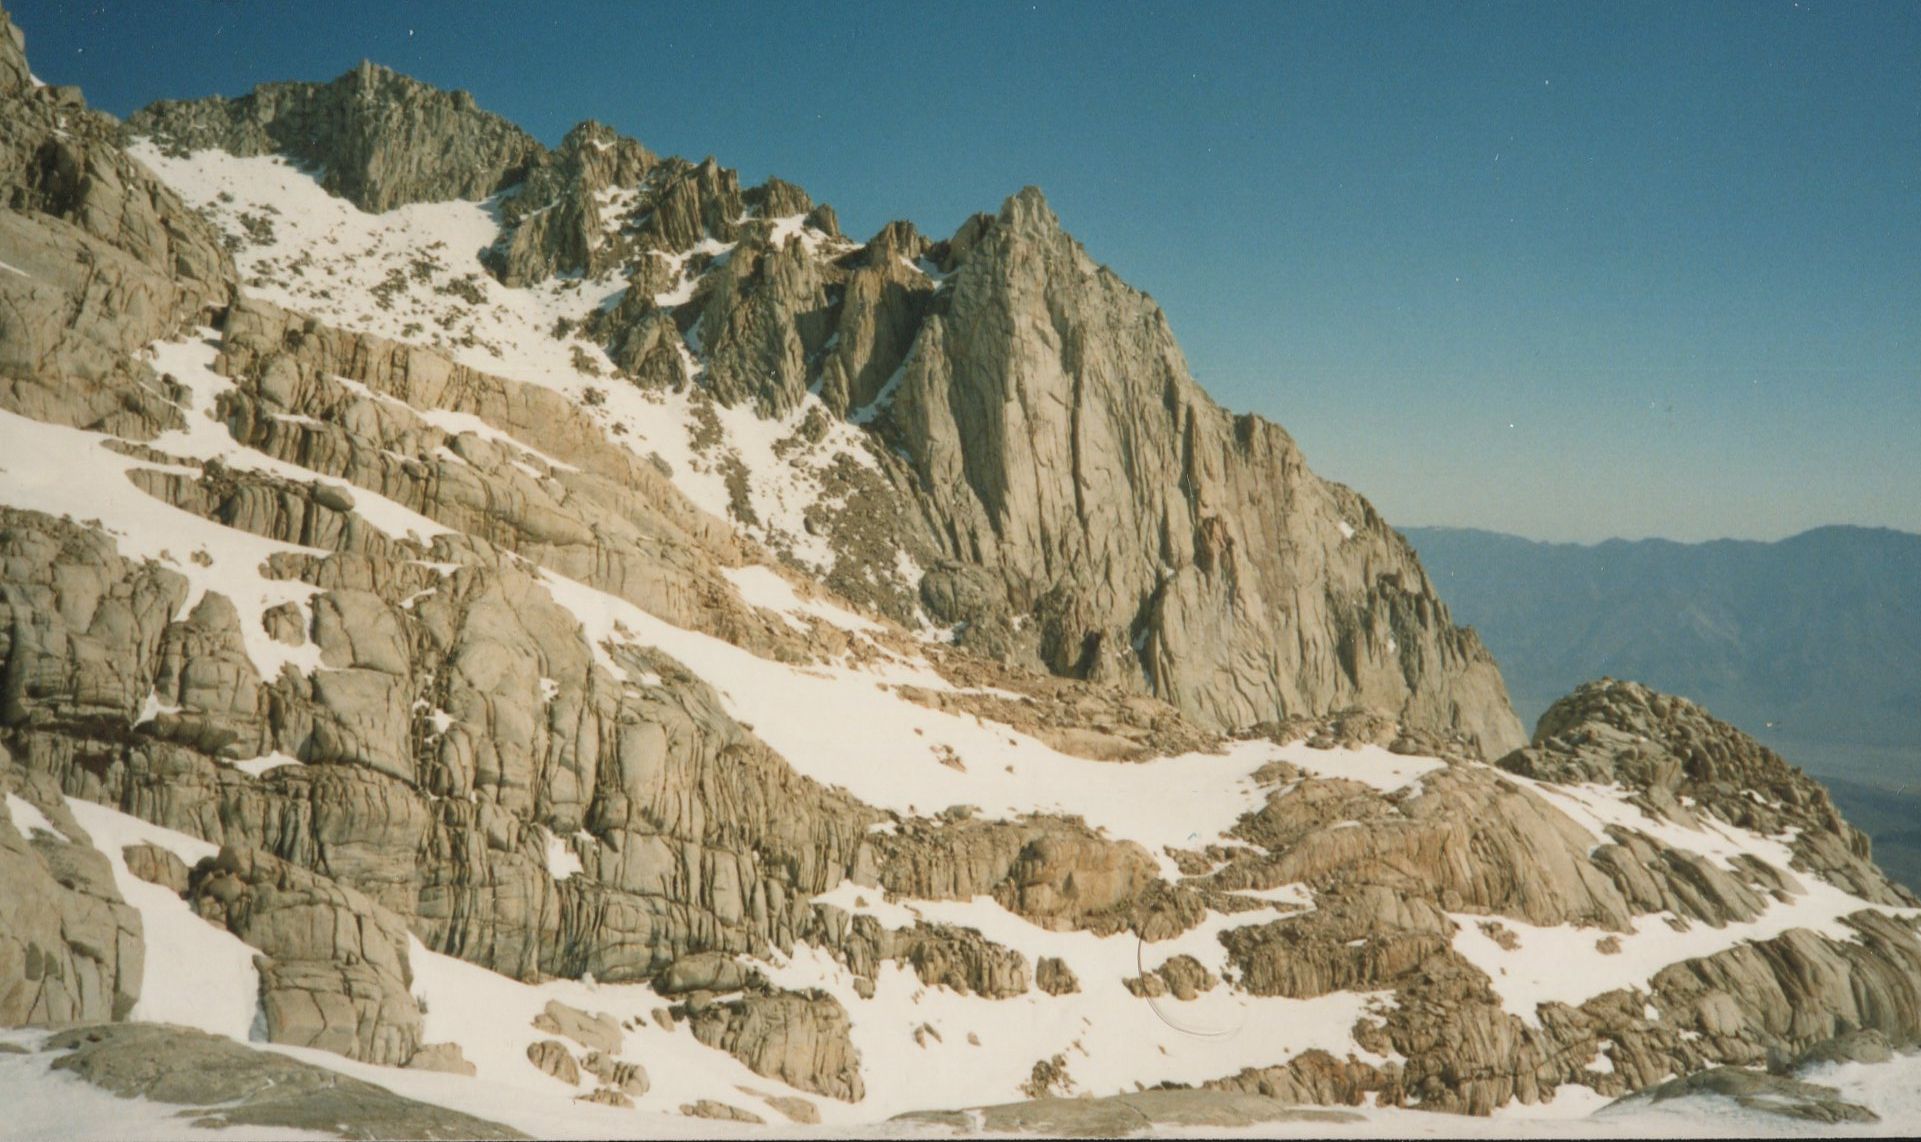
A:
<point x="1567" y="271"/>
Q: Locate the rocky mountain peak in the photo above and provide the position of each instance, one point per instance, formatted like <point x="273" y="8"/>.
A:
<point x="1682" y="764"/>
<point x="513" y="664"/>
<point x="14" y="75"/>
<point x="381" y="138"/>
<point x="1037" y="402"/>
<point x="1027" y="212"/>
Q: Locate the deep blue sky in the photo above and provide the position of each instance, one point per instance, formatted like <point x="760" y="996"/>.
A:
<point x="1567" y="271"/>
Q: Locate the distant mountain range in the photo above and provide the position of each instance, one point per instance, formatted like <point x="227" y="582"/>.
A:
<point x="1815" y="638"/>
<point x="1812" y="643"/>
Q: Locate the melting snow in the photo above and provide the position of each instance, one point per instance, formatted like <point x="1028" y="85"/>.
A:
<point x="562" y="862"/>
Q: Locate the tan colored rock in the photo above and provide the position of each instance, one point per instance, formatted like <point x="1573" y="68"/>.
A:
<point x="598" y="1032"/>
<point x="1053" y="976"/>
<point x="623" y="1076"/>
<point x="70" y="948"/>
<point x="157" y="865"/>
<point x="1030" y="402"/>
<point x="801" y="1038"/>
<point x="1674" y="754"/>
<point x="334" y="972"/>
<point x="793" y="1109"/>
<point x="382" y="140"/>
<point x="552" y="1057"/>
<point x="443" y="1057"/>
<point x="1182" y="976"/>
<point x="720" y="1112"/>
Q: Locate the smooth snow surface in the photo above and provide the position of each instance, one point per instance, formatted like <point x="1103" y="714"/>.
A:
<point x="1373" y="765"/>
<point x="562" y="862"/>
<point x="844" y="726"/>
<point x="256" y="766"/>
<point x="196" y="975"/>
<point x="28" y="819"/>
<point x="763" y="587"/>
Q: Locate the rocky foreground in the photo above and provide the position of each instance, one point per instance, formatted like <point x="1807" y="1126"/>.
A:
<point x="556" y="635"/>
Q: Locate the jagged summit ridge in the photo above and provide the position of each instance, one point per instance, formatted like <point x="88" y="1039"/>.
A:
<point x="384" y="672"/>
<point x="381" y="139"/>
<point x="1068" y="495"/>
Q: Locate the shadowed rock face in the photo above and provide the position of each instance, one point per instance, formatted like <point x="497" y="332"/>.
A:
<point x="1767" y="1094"/>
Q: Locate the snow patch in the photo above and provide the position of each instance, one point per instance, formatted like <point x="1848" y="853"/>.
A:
<point x="196" y="975"/>
<point x="257" y="766"/>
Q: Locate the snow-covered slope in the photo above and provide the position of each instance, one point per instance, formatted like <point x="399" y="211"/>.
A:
<point x="415" y="274"/>
<point x="459" y="713"/>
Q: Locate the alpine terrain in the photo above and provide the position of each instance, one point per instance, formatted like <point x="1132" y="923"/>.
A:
<point x="501" y="640"/>
<point x="1809" y="642"/>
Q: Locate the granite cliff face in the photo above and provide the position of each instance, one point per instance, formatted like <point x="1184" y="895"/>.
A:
<point x="1070" y="498"/>
<point x="379" y="139"/>
<point x="626" y="643"/>
<point x="1075" y="471"/>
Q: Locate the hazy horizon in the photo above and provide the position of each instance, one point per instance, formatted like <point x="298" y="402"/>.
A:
<point x="1568" y="273"/>
<point x="1794" y="534"/>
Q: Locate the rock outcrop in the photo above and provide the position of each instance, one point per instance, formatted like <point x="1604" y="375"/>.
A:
<point x="1182" y="977"/>
<point x="1035" y="441"/>
<point x="801" y="1039"/>
<point x="1122" y="1114"/>
<point x="333" y="965"/>
<point x="1684" y="765"/>
<point x="225" y="1084"/>
<point x="380" y="139"/>
<point x="1152" y="538"/>
<point x="436" y="645"/>
<point x="1763" y="1093"/>
<point x="102" y="259"/>
<point x="70" y="947"/>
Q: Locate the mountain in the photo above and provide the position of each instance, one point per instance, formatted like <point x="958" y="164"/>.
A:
<point x="1037" y="471"/>
<point x="575" y="644"/>
<point x="1808" y="641"/>
<point x="1812" y="637"/>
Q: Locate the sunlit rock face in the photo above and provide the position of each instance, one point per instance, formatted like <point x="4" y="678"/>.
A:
<point x="566" y="622"/>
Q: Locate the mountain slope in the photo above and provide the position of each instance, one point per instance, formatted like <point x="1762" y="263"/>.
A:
<point x="451" y="683"/>
<point x="1000" y="437"/>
